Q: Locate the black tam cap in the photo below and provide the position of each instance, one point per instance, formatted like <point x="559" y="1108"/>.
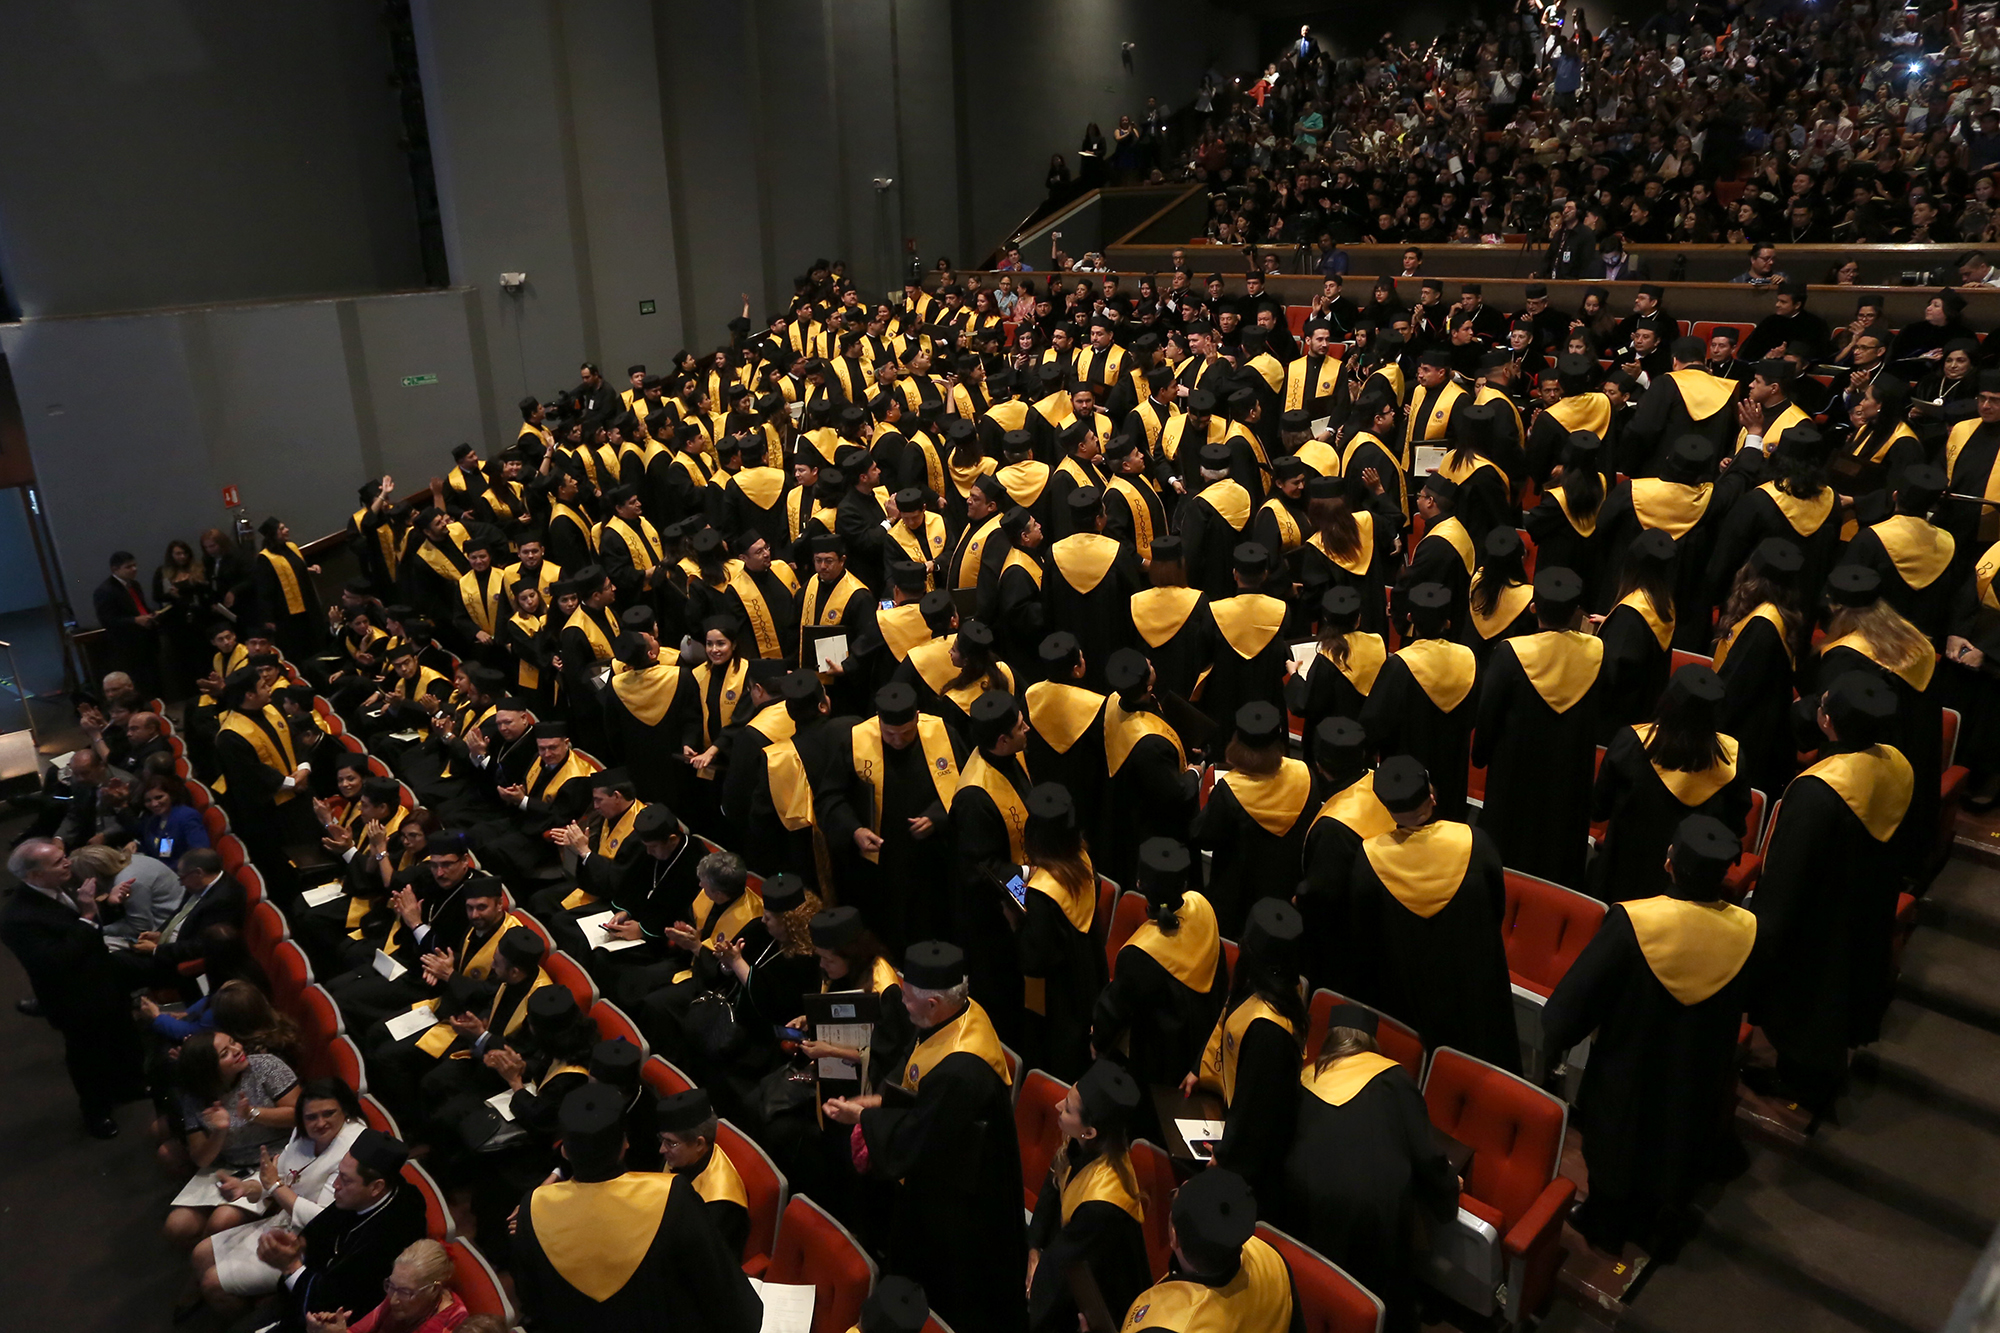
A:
<point x="593" y="1127"/>
<point x="655" y="823"/>
<point x="1703" y="851"/>
<point x="837" y="926"/>
<point x="1854" y="585"/>
<point x="1260" y="724"/>
<point x="1860" y="707"/>
<point x="1696" y="681"/>
<point x="907" y="575"/>
<point x="681" y="1112"/>
<point x="547" y="731"/>
<point x="1342" y="603"/>
<point x="615" y="1061"/>
<point x="1108" y="1096"/>
<point x="934" y="965"/>
<point x="1250" y="558"/>
<point x="1778" y="557"/>
<point x="1163" y="863"/>
<point x="1085" y="498"/>
<point x="1214" y="457"/>
<point x="896" y="703"/>
<point x="1168" y="549"/>
<point x="783" y="891"/>
<point x="1272" y="922"/>
<point x="1126" y="670"/>
<point x="1433" y="598"/>
<point x="799" y="686"/>
<point x="1360" y="1018"/>
<point x="1502" y="542"/>
<point x="1201" y="402"/>
<point x="1557" y="590"/>
<point x="993" y="715"/>
<point x="1051" y="801"/>
<point x="1402" y="783"/>
<point x="1339" y="744"/>
<point x="1295" y="419"/>
<point x="897" y="1305"/>
<point x="1289" y="466"/>
<point x="1654" y="545"/>
<point x="1214" y="1215"/>
<point x="551" y="1005"/>
<point x="1059" y="649"/>
<point x="380" y="1153"/>
<point x="523" y="948"/>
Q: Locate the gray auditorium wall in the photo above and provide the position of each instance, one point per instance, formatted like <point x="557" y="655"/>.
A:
<point x="170" y="153"/>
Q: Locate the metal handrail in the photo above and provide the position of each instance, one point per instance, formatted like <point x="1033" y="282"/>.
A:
<point x="21" y="689"/>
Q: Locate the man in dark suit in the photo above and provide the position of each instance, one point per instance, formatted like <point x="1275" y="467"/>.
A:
<point x="129" y="623"/>
<point x="340" y="1259"/>
<point x="210" y="898"/>
<point x="57" y="934"/>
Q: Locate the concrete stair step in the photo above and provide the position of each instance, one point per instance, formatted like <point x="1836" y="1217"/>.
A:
<point x="1964" y="900"/>
<point x="1710" y="1289"/>
<point x="1953" y="975"/>
<point x="1859" y="1256"/>
<point x="1914" y="1151"/>
<point x="1933" y="1054"/>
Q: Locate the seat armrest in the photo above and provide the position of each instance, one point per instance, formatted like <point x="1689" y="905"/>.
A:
<point x="1543" y="1219"/>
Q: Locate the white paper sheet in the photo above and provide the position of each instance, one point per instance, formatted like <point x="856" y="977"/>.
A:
<point x="388" y="967"/>
<point x="787" y="1308"/>
<point x="1196" y="1130"/>
<point x="830" y="651"/>
<point x="1429" y="459"/>
<point x="1320" y="424"/>
<point x="322" y="895"/>
<point x="201" y="1191"/>
<point x="1305" y="654"/>
<point x="503" y="1102"/>
<point x="404" y="1026"/>
<point x="857" y="1035"/>
<point x="593" y="933"/>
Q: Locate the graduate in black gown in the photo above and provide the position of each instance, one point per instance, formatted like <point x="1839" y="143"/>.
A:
<point x="608" y="1249"/>
<point x="1364" y="1165"/>
<point x="1498" y="598"/>
<point x="1657" y="774"/>
<point x="1066" y="726"/>
<point x="946" y="1133"/>
<point x="1638" y="634"/>
<point x="1062" y="962"/>
<point x="1423" y="701"/>
<point x="1537" y="736"/>
<point x="1254" y="825"/>
<point x="1343" y="671"/>
<point x="1150" y="793"/>
<point x="903" y="769"/>
<point x="1348" y="817"/>
<point x="1252" y="1057"/>
<point x="1087" y="1241"/>
<point x="1912" y="556"/>
<point x="1663" y="985"/>
<point x="687" y="1126"/>
<point x="1223" y="1276"/>
<point x="1425" y="903"/>
<point x="1168" y="623"/>
<point x="1169" y="980"/>
<point x="1826" y="904"/>
<point x="1756" y="655"/>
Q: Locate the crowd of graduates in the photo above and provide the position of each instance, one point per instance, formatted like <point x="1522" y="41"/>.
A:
<point x="853" y="655"/>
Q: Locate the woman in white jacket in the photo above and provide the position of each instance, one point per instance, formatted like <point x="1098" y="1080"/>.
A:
<point x="291" y="1187"/>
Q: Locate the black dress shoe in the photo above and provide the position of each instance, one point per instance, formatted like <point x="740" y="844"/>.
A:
<point x="101" y="1126"/>
<point x="31" y="1006"/>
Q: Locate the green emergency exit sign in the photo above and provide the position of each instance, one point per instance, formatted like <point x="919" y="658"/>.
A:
<point x="413" y="381"/>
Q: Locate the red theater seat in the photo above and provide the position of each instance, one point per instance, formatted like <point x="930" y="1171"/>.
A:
<point x="1156" y="1184"/>
<point x="1126" y="915"/>
<point x="767" y="1189"/>
<point x="1545" y="928"/>
<point x="290" y="974"/>
<point x="1035" y="1108"/>
<point x="565" y="971"/>
<point x="613" y="1022"/>
<point x="812" y="1248"/>
<point x="1330" y="1301"/>
<point x="1397" y="1039"/>
<point x="664" y="1077"/>
<point x="477" y="1284"/>
<point x="438" y="1223"/>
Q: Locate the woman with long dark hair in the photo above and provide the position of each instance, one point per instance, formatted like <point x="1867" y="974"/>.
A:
<point x="234" y="1103"/>
<point x="1254" y="825"/>
<point x="1638" y="633"/>
<point x="1353" y="540"/>
<point x="1499" y="596"/>
<point x="1087" y="1230"/>
<point x="1344" y="668"/>
<point x="1564" y="524"/>
<point x="1762" y="636"/>
<point x="184" y="595"/>
<point x="1168" y="986"/>
<point x="1658" y="773"/>
<point x="1062" y="965"/>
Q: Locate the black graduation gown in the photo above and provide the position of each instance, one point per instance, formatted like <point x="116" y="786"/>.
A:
<point x="1152" y="1022"/>
<point x="1635" y="670"/>
<point x="1558" y="544"/>
<point x="981" y="853"/>
<point x="1927" y="607"/>
<point x="1618" y="524"/>
<point x="1075" y="759"/>
<point x="902" y="894"/>
<point x="651" y="751"/>
<point x="348" y="1256"/>
<point x="1101" y="1236"/>
<point x="1099" y="612"/>
<point x="1826" y="908"/>
<point x="1258" y="1127"/>
<point x="1757" y="705"/>
<point x="1247" y="860"/>
<point x="1150" y="794"/>
<point x="1445" y="974"/>
<point x="1971" y="473"/>
<point x="958" y="1226"/>
<point x="1643" y="813"/>
<point x="1400" y="717"/>
<point x="1359" y="1174"/>
<point x="1661" y="1082"/>
<point x="1757" y="516"/>
<point x="1333" y="840"/>
<point x="1062" y="971"/>
<point x="688" y="1280"/>
<point x="1172" y="628"/>
<point x="1539" y="764"/>
<point x="1917" y="732"/>
<point x="1328" y="691"/>
<point x="1235" y="679"/>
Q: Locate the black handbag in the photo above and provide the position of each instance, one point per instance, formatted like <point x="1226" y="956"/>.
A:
<point x="712" y="1025"/>
<point x="789" y="1087"/>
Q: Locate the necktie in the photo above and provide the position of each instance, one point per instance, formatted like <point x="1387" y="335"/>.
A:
<point x="137" y="600"/>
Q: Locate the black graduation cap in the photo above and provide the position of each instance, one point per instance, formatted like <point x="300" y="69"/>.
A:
<point x="1703" y="851"/>
<point x="1214" y="457"/>
<point x="1201" y="402"/>
<point x="1107" y="1095"/>
<point x="896" y="703"/>
<point x="1168" y="549"/>
<point x="1059" y="649"/>
<point x="1250" y="558"/>
<point x="1339" y="744"/>
<point x="615" y="1060"/>
<point x="783" y="891"/>
<point x="1126" y="670"/>
<point x="1693" y="453"/>
<point x="1259" y="724"/>
<point x="829" y="543"/>
<point x="837" y="926"/>
<point x="1295" y="419"/>
<point x="1214" y="1216"/>
<point x="1051" y="801"/>
<point x="1163" y="863"/>
<point x="993" y="715"/>
<point x="1696" y="681"/>
<point x="1289" y="466"/>
<point x="1989" y="381"/>
<point x="545" y="731"/>
<point x="1575" y="371"/>
<point x="897" y="1305"/>
<point x="1323" y="488"/>
<point x="975" y="634"/>
<point x="1557" y="590"/>
<point x="1854" y="585"/>
<point x="593" y="1126"/>
<point x="1860" y="706"/>
<point x="681" y="1112"/>
<point x="933" y="965"/>
<point x="1535" y="291"/>
<point x="1341" y="602"/>
<point x="380" y="1153"/>
<point x="1357" y="1017"/>
<point x="935" y="603"/>
<point x="548" y="1004"/>
<point x="1502" y="542"/>
<point x="523" y="948"/>
<point x="1921" y="476"/>
<point x="1017" y="442"/>
<point x="1775" y="556"/>
<point x="1085" y="498"/>
<point x="1402" y="783"/>
<point x="655" y="823"/>
<point x="1494" y="360"/>
<point x="1437" y="358"/>
<point x="907" y="575"/>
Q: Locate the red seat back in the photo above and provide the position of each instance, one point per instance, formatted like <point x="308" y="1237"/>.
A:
<point x="438" y="1223"/>
<point x="216" y="820"/>
<point x="664" y="1077"/>
<point x="1395" y="1038"/>
<point x="763" y="1183"/>
<point x="378" y="1117"/>
<point x="252" y="882"/>
<point x="1546" y="927"/>
<point x="319" y="1023"/>
<point x="565" y="971"/>
<point x="290" y="974"/>
<point x="477" y="1284"/>
<point x="1515" y="1130"/>
<point x="1753" y="822"/>
<point x="1950" y="750"/>
<point x="1330" y="1301"/>
<point x="344" y="1062"/>
<point x="263" y="927"/>
<point x="1682" y="657"/>
<point x="613" y="1022"/>
<point x="1528" y="552"/>
<point x="1126" y="915"/>
<point x="813" y="1248"/>
<point x="1035" y="1123"/>
<point x="1156" y="1186"/>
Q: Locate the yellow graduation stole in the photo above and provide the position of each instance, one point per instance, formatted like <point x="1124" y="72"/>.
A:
<point x="505" y="499"/>
<point x="1225" y="1043"/>
<point x="1013" y="809"/>
<point x="1514" y="599"/>
<point x="971" y="1033"/>
<point x="763" y="626"/>
<point x="1444" y="671"/>
<point x="1983" y="575"/>
<point x="1702" y="394"/>
<point x="1347" y="464"/>
<point x="1663" y="629"/>
<point x="239" y="657"/>
<point x="1288" y="525"/>
<point x="1920" y="551"/>
<point x="1142" y="514"/>
<point x="1019" y="559"/>
<point x="1024" y="481"/>
<point x="560" y="510"/>
<point x="1248" y="621"/>
<point x="1274" y="800"/>
<point x="1692" y="787"/>
<point x="1451" y="531"/>
<point x="865" y="742"/>
<point x="1084" y="558"/>
<point x="1357" y="807"/>
<point x="1436" y="420"/>
<point x="1228" y="499"/>
<point x="1190" y="954"/>
<point x="1364" y="546"/>
<point x="648" y="692"/>
<point x="1671" y="507"/>
<point x="273" y="746"/>
<point x="1876" y="783"/>
<point x="1257" y="1300"/>
<point x="596" y="1234"/>
<point x="791" y="793"/>
<point x="1694" y="949"/>
<point x="1585" y="524"/>
<point x="1765" y="611"/>
<point x="1365" y="655"/>
<point x="1123" y="731"/>
<point x="968" y="561"/>
<point x="902" y="628"/>
<point x="1153" y="419"/>
<point x="733" y="696"/>
<point x="1323" y="384"/>
<point x="288" y="578"/>
<point x="814" y="612"/>
<point x="1989" y="517"/>
<point x="1583" y="411"/>
<point x="1422" y="867"/>
<point x="1561" y="664"/>
<point x="643" y="544"/>
<point x="1060" y="713"/>
<point x="1805" y="516"/>
<point x="547" y="574"/>
<point x="1106" y="1178"/>
<point x="726" y="921"/>
<point x="1916" y="673"/>
<point x="922" y="549"/>
<point x="1159" y="613"/>
<point x="1078" y="907"/>
<point x="544" y="782"/>
<point x="385" y="538"/>
<point x="1791" y="416"/>
<point x="600" y="642"/>
<point x="1341" y="1081"/>
<point x="482" y="604"/>
<point x="719" y="1181"/>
